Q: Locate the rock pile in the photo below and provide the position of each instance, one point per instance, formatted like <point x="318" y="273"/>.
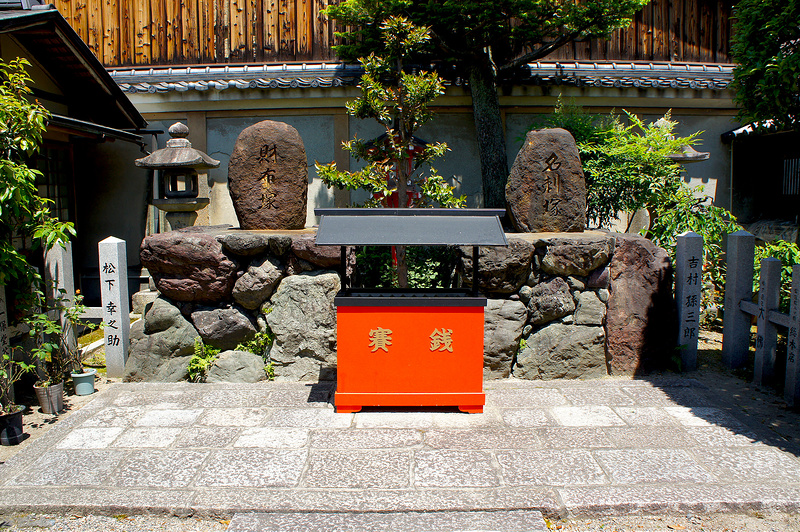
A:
<point x="569" y="305"/>
<point x="574" y="306"/>
<point x="224" y="286"/>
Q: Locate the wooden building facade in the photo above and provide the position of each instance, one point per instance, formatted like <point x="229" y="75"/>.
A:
<point x="165" y="32"/>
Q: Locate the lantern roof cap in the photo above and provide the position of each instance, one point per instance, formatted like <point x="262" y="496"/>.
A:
<point x="178" y="153"/>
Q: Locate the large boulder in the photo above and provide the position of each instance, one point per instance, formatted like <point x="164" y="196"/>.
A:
<point x="305" y="248"/>
<point x="549" y="301"/>
<point x="576" y="257"/>
<point x="257" y="283"/>
<point x="503" y="323"/>
<point x="223" y="328"/>
<point x="561" y="351"/>
<point x="268" y="177"/>
<point x="303" y="320"/>
<point x="188" y="266"/>
<point x="546" y="190"/>
<point x="236" y="366"/>
<point x="503" y="270"/>
<point x="641" y="321"/>
<point x="161" y="345"/>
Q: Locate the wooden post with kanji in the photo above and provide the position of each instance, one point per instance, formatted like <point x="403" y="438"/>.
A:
<point x="767" y="337"/>
<point x="738" y="288"/>
<point x="115" y="305"/>
<point x="791" y="390"/>
<point x="688" y="285"/>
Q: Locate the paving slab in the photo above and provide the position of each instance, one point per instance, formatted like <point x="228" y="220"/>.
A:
<point x="279" y="452"/>
<point x="513" y="521"/>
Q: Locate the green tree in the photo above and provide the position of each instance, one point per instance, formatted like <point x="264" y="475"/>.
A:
<point x="25" y="219"/>
<point x="766" y="46"/>
<point x="400" y="101"/>
<point x="627" y="168"/>
<point x="24" y="215"/>
<point x="487" y="42"/>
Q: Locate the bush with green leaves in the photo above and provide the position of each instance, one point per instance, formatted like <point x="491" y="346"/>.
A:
<point x="428" y="266"/>
<point x="202" y="360"/>
<point x="24" y="215"/>
<point x="260" y="345"/>
<point x="52" y="330"/>
<point x="766" y="48"/>
<point x="789" y="255"/>
<point x="627" y="169"/>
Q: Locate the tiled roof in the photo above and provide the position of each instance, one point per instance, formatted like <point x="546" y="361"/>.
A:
<point x="632" y="74"/>
<point x="618" y="74"/>
<point x="203" y="78"/>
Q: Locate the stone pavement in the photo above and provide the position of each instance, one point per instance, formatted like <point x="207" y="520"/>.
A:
<point x="607" y="446"/>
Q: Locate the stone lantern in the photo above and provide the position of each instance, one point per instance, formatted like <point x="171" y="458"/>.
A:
<point x="178" y="185"/>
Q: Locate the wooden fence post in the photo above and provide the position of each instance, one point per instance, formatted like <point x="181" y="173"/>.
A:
<point x="59" y="275"/>
<point x="791" y="391"/>
<point x="738" y="287"/>
<point x="688" y="284"/>
<point x="767" y="339"/>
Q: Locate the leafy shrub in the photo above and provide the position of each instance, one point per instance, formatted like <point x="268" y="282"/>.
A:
<point x="789" y="254"/>
<point x="626" y="168"/>
<point x="24" y="215"/>
<point x="428" y="266"/>
<point x="260" y="345"/>
<point x="204" y="356"/>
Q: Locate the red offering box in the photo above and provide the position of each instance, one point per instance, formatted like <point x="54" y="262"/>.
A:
<point x="422" y="350"/>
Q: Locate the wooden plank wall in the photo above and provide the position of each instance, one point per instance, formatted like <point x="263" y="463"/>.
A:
<point x="665" y="30"/>
<point x="165" y="32"/>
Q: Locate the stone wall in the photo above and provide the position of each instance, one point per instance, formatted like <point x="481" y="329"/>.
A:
<point x="561" y="305"/>
<point x="575" y="305"/>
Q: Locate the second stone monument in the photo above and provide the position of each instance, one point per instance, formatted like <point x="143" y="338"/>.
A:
<point x="268" y="177"/>
<point x="546" y="190"/>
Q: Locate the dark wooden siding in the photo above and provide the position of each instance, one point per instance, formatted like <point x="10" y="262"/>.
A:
<point x="164" y="32"/>
<point x="665" y="30"/>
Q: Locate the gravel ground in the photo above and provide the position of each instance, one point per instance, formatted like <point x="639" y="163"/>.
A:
<point x="690" y="523"/>
<point x="762" y="401"/>
<point x="149" y="523"/>
<point x="98" y="523"/>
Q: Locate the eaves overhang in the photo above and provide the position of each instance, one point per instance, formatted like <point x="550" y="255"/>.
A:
<point x="82" y="128"/>
<point x="615" y="74"/>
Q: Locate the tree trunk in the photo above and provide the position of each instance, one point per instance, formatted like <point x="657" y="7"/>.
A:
<point x="491" y="139"/>
<point x="402" y="199"/>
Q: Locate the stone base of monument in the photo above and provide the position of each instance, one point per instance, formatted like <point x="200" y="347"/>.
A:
<point x="586" y="304"/>
<point x="141" y="299"/>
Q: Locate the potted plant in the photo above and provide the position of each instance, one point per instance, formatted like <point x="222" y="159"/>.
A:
<point x="56" y="351"/>
<point x="11" y="370"/>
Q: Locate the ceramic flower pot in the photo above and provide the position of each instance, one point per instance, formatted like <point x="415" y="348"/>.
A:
<point x="11" y="426"/>
<point x="84" y="382"/>
<point x="51" y="398"/>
